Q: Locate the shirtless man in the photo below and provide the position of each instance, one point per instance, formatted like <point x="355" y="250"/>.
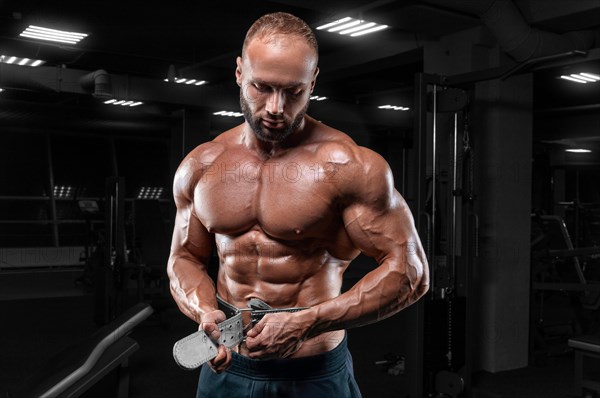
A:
<point x="288" y="202"/>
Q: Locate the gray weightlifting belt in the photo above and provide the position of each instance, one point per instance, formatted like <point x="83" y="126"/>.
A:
<point x="198" y="348"/>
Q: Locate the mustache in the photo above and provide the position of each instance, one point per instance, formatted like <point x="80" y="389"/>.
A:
<point x="274" y="118"/>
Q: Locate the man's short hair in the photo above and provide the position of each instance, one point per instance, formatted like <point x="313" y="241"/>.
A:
<point x="281" y="23"/>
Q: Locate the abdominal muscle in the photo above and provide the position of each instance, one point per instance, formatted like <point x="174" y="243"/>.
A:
<point x="284" y="274"/>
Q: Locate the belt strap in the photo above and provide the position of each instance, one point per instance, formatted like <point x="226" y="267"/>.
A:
<point x="197" y="348"/>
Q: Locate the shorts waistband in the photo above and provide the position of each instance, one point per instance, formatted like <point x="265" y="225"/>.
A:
<point x="297" y="368"/>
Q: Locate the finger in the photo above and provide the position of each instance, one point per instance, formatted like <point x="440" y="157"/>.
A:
<point x="256" y="330"/>
<point x="255" y="344"/>
<point x="212" y="318"/>
<point x="222" y="361"/>
<point x="211" y="329"/>
<point x="219" y="316"/>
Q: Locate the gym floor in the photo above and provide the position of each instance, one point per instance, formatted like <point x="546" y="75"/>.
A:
<point x="35" y="328"/>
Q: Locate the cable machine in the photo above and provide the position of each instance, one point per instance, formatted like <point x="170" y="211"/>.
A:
<point x="448" y="224"/>
<point x="446" y="218"/>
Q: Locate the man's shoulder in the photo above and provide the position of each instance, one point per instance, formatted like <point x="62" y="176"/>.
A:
<point x="209" y="151"/>
<point x="337" y="147"/>
<point x="200" y="159"/>
<point x="350" y="165"/>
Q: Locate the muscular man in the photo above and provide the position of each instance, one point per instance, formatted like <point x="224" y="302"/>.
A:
<point x="288" y="202"/>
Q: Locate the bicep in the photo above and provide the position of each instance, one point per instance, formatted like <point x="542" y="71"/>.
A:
<point x="190" y="240"/>
<point x="190" y="237"/>
<point x="380" y="229"/>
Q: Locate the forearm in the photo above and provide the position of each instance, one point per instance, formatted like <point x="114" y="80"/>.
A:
<point x="381" y="293"/>
<point x="191" y="287"/>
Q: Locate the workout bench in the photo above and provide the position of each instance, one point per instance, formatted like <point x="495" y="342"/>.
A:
<point x="586" y="377"/>
<point x="74" y="370"/>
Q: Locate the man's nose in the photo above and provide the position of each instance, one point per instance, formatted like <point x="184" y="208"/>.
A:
<point x="276" y="102"/>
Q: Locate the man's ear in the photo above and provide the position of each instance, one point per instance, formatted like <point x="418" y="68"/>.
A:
<point x="314" y="79"/>
<point x="238" y="71"/>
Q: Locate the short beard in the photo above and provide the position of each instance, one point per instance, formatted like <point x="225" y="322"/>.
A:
<point x="263" y="133"/>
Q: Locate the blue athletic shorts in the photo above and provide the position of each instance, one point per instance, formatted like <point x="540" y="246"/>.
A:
<point x="326" y="375"/>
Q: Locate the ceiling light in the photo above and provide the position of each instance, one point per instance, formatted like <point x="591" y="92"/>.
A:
<point x="344" y="26"/>
<point x="367" y="31"/>
<point x="394" y="107"/>
<point x="334" y="23"/>
<point x="228" y="113"/>
<point x="317" y="98"/>
<point x="1" y="90"/>
<point x="581" y="77"/>
<point x="578" y="150"/>
<point x="587" y="79"/>
<point x="9" y="59"/>
<point x="357" y="28"/>
<point x="572" y="79"/>
<point x="593" y="76"/>
<point x="351" y="26"/>
<point x="115" y="101"/>
<point x="62" y="191"/>
<point x="150" y="192"/>
<point x="188" y="81"/>
<point x="60" y="36"/>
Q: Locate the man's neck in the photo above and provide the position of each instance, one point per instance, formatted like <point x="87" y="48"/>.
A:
<point x="271" y="149"/>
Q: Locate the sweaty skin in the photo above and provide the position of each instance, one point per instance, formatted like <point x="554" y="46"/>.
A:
<point x="289" y="202"/>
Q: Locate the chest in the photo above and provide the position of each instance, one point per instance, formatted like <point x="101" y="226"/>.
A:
<point x="291" y="199"/>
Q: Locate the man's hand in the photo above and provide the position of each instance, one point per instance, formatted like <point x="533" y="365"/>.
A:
<point x="277" y="335"/>
<point x="209" y="321"/>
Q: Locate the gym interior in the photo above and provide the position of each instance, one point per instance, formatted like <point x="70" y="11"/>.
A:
<point x="487" y="112"/>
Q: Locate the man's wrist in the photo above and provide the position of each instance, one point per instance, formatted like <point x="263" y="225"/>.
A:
<point x="309" y="320"/>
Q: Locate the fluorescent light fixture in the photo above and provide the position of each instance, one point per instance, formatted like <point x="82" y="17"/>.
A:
<point x="578" y="150"/>
<point x="334" y="23"/>
<point x="229" y="113"/>
<point x="583" y="77"/>
<point x="351" y="26"/>
<point x="357" y="28"/>
<point x="63" y="191"/>
<point x="150" y="192"/>
<point x="394" y="107"/>
<point x="114" y="101"/>
<point x="367" y="31"/>
<point x="183" y="80"/>
<point x="593" y="76"/>
<point x="59" y="36"/>
<point x="344" y="26"/>
<point x="9" y="59"/>
<point x="317" y="98"/>
<point x="572" y="79"/>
